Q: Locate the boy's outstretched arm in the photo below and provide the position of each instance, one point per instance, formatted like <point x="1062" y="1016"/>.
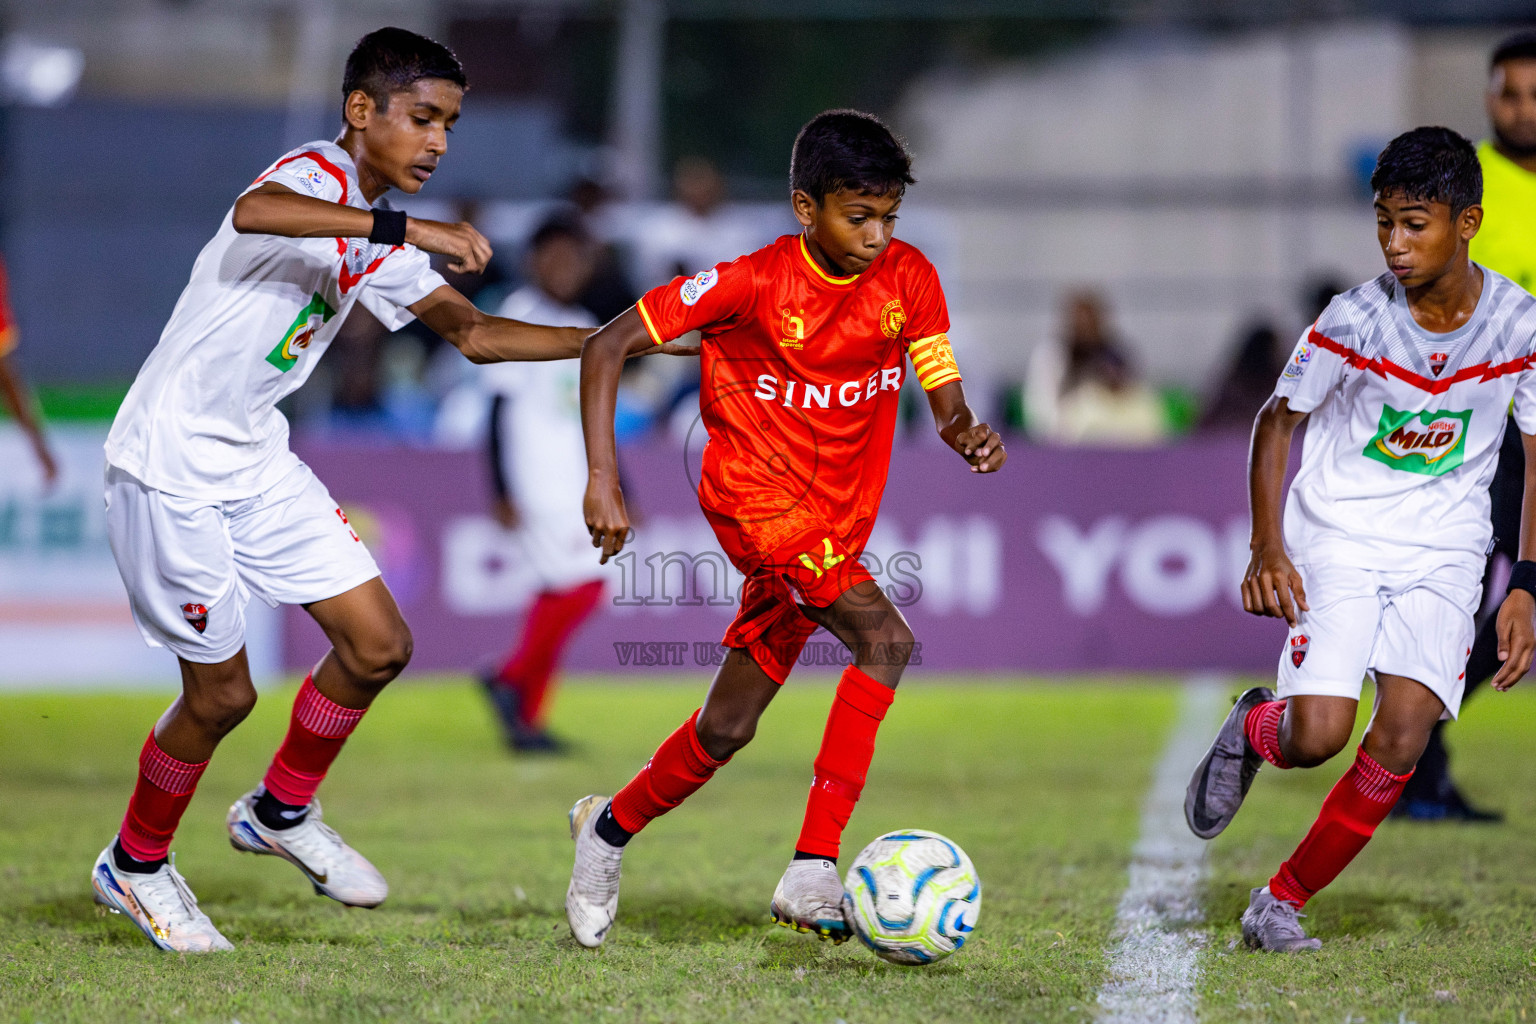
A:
<point x="484" y="338"/>
<point x="602" y="358"/>
<point x="1517" y="615"/>
<point x="271" y="209"/>
<point x="1271" y="586"/>
<point x="958" y="426"/>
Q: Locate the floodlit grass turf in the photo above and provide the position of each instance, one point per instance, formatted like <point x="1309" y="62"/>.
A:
<point x="1042" y="784"/>
<point x="1432" y="922"/>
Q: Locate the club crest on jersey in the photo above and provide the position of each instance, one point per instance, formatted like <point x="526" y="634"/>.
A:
<point x="892" y="319"/>
<point x="1298" y="361"/>
<point x="1299" y="645"/>
<point x="1431" y="443"/>
<point x="693" y="289"/>
<point x="1437" y="361"/>
<point x="196" y="616"/>
<point x="300" y="333"/>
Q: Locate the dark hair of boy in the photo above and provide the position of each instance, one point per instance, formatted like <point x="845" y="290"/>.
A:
<point x="389" y="60"/>
<point x="1434" y="165"/>
<point x="558" y="225"/>
<point x="1520" y="46"/>
<point x="849" y="149"/>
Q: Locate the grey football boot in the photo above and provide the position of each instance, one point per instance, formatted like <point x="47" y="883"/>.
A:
<point x="1221" y="780"/>
<point x="1270" y="924"/>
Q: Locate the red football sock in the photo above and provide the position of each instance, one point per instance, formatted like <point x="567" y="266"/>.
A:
<point x="551" y="622"/>
<point x="164" y="789"/>
<point x="1357" y="804"/>
<point x="317" y="730"/>
<point x="847" y="746"/>
<point x="1263" y="728"/>
<point x="677" y="769"/>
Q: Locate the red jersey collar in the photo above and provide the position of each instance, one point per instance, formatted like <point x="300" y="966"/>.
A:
<point x="822" y="275"/>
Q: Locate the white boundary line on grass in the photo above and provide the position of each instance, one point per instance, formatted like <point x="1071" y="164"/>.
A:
<point x="1153" y="968"/>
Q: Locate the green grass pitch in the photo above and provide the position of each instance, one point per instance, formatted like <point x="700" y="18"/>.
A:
<point x="1042" y="783"/>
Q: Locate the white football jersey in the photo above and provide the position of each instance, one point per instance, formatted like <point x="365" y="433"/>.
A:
<point x="1403" y="436"/>
<point x="544" y="458"/>
<point x="201" y="419"/>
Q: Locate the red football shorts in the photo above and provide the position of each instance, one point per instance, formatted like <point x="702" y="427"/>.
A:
<point x="800" y="552"/>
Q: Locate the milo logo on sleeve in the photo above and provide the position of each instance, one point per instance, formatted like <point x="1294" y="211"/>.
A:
<point x="1432" y="443"/>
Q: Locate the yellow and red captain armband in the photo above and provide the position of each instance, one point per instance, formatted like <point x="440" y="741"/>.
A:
<point x="650" y="325"/>
<point x="934" y="361"/>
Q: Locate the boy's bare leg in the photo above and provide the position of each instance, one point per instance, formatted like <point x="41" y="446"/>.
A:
<point x="1313" y="728"/>
<point x="738" y="695"/>
<point x="370" y="645"/>
<point x="1405" y="712"/>
<point x="687" y="759"/>
<point x="809" y="896"/>
<point x="214" y="699"/>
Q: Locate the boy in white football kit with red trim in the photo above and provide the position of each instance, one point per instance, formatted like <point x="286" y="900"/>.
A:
<point x="207" y="507"/>
<point x="1405" y="383"/>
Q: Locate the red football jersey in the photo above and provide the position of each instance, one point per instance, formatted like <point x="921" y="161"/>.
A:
<point x="801" y="376"/>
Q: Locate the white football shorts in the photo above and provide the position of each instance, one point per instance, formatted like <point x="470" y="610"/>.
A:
<point x="191" y="564"/>
<point x="1412" y="623"/>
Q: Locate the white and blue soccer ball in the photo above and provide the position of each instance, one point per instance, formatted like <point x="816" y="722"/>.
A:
<point x="912" y="896"/>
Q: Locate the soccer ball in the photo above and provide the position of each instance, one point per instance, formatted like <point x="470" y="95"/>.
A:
<point x="912" y="897"/>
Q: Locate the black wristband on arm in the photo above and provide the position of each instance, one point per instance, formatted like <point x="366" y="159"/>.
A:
<point x="388" y="227"/>
<point x="1522" y="577"/>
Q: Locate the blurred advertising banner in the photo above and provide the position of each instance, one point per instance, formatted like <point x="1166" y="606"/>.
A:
<point x="64" y="619"/>
<point x="1069" y="560"/>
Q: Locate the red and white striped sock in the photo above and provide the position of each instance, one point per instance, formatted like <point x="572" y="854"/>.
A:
<point x="317" y="730"/>
<point x="1262" y="726"/>
<point x="1357" y="804"/>
<point x="164" y="789"/>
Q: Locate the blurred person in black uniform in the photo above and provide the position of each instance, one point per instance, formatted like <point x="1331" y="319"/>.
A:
<point x="1506" y="244"/>
<point x="1248" y="382"/>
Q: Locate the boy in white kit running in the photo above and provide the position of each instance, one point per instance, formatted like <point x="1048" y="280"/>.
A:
<point x="1405" y="382"/>
<point x="206" y="506"/>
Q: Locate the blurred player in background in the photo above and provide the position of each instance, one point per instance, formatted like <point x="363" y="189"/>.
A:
<point x="539" y="470"/>
<point x="207" y="506"/>
<point x="1506" y="244"/>
<point x="1404" y="382"/>
<point x="13" y="390"/>
<point x="805" y="343"/>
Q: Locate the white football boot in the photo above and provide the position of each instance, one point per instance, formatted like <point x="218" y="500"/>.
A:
<point x="809" y="898"/>
<point x="161" y="905"/>
<point x="332" y="867"/>
<point x="592" y="900"/>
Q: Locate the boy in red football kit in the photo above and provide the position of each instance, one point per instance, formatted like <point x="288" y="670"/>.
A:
<point x="802" y="367"/>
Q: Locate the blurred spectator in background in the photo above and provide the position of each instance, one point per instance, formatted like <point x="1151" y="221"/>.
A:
<point x="539" y="472"/>
<point x="13" y="390"/>
<point x="695" y="231"/>
<point x="609" y="293"/>
<point x="1317" y="293"/>
<point x="1085" y="391"/>
<point x="1247" y="384"/>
